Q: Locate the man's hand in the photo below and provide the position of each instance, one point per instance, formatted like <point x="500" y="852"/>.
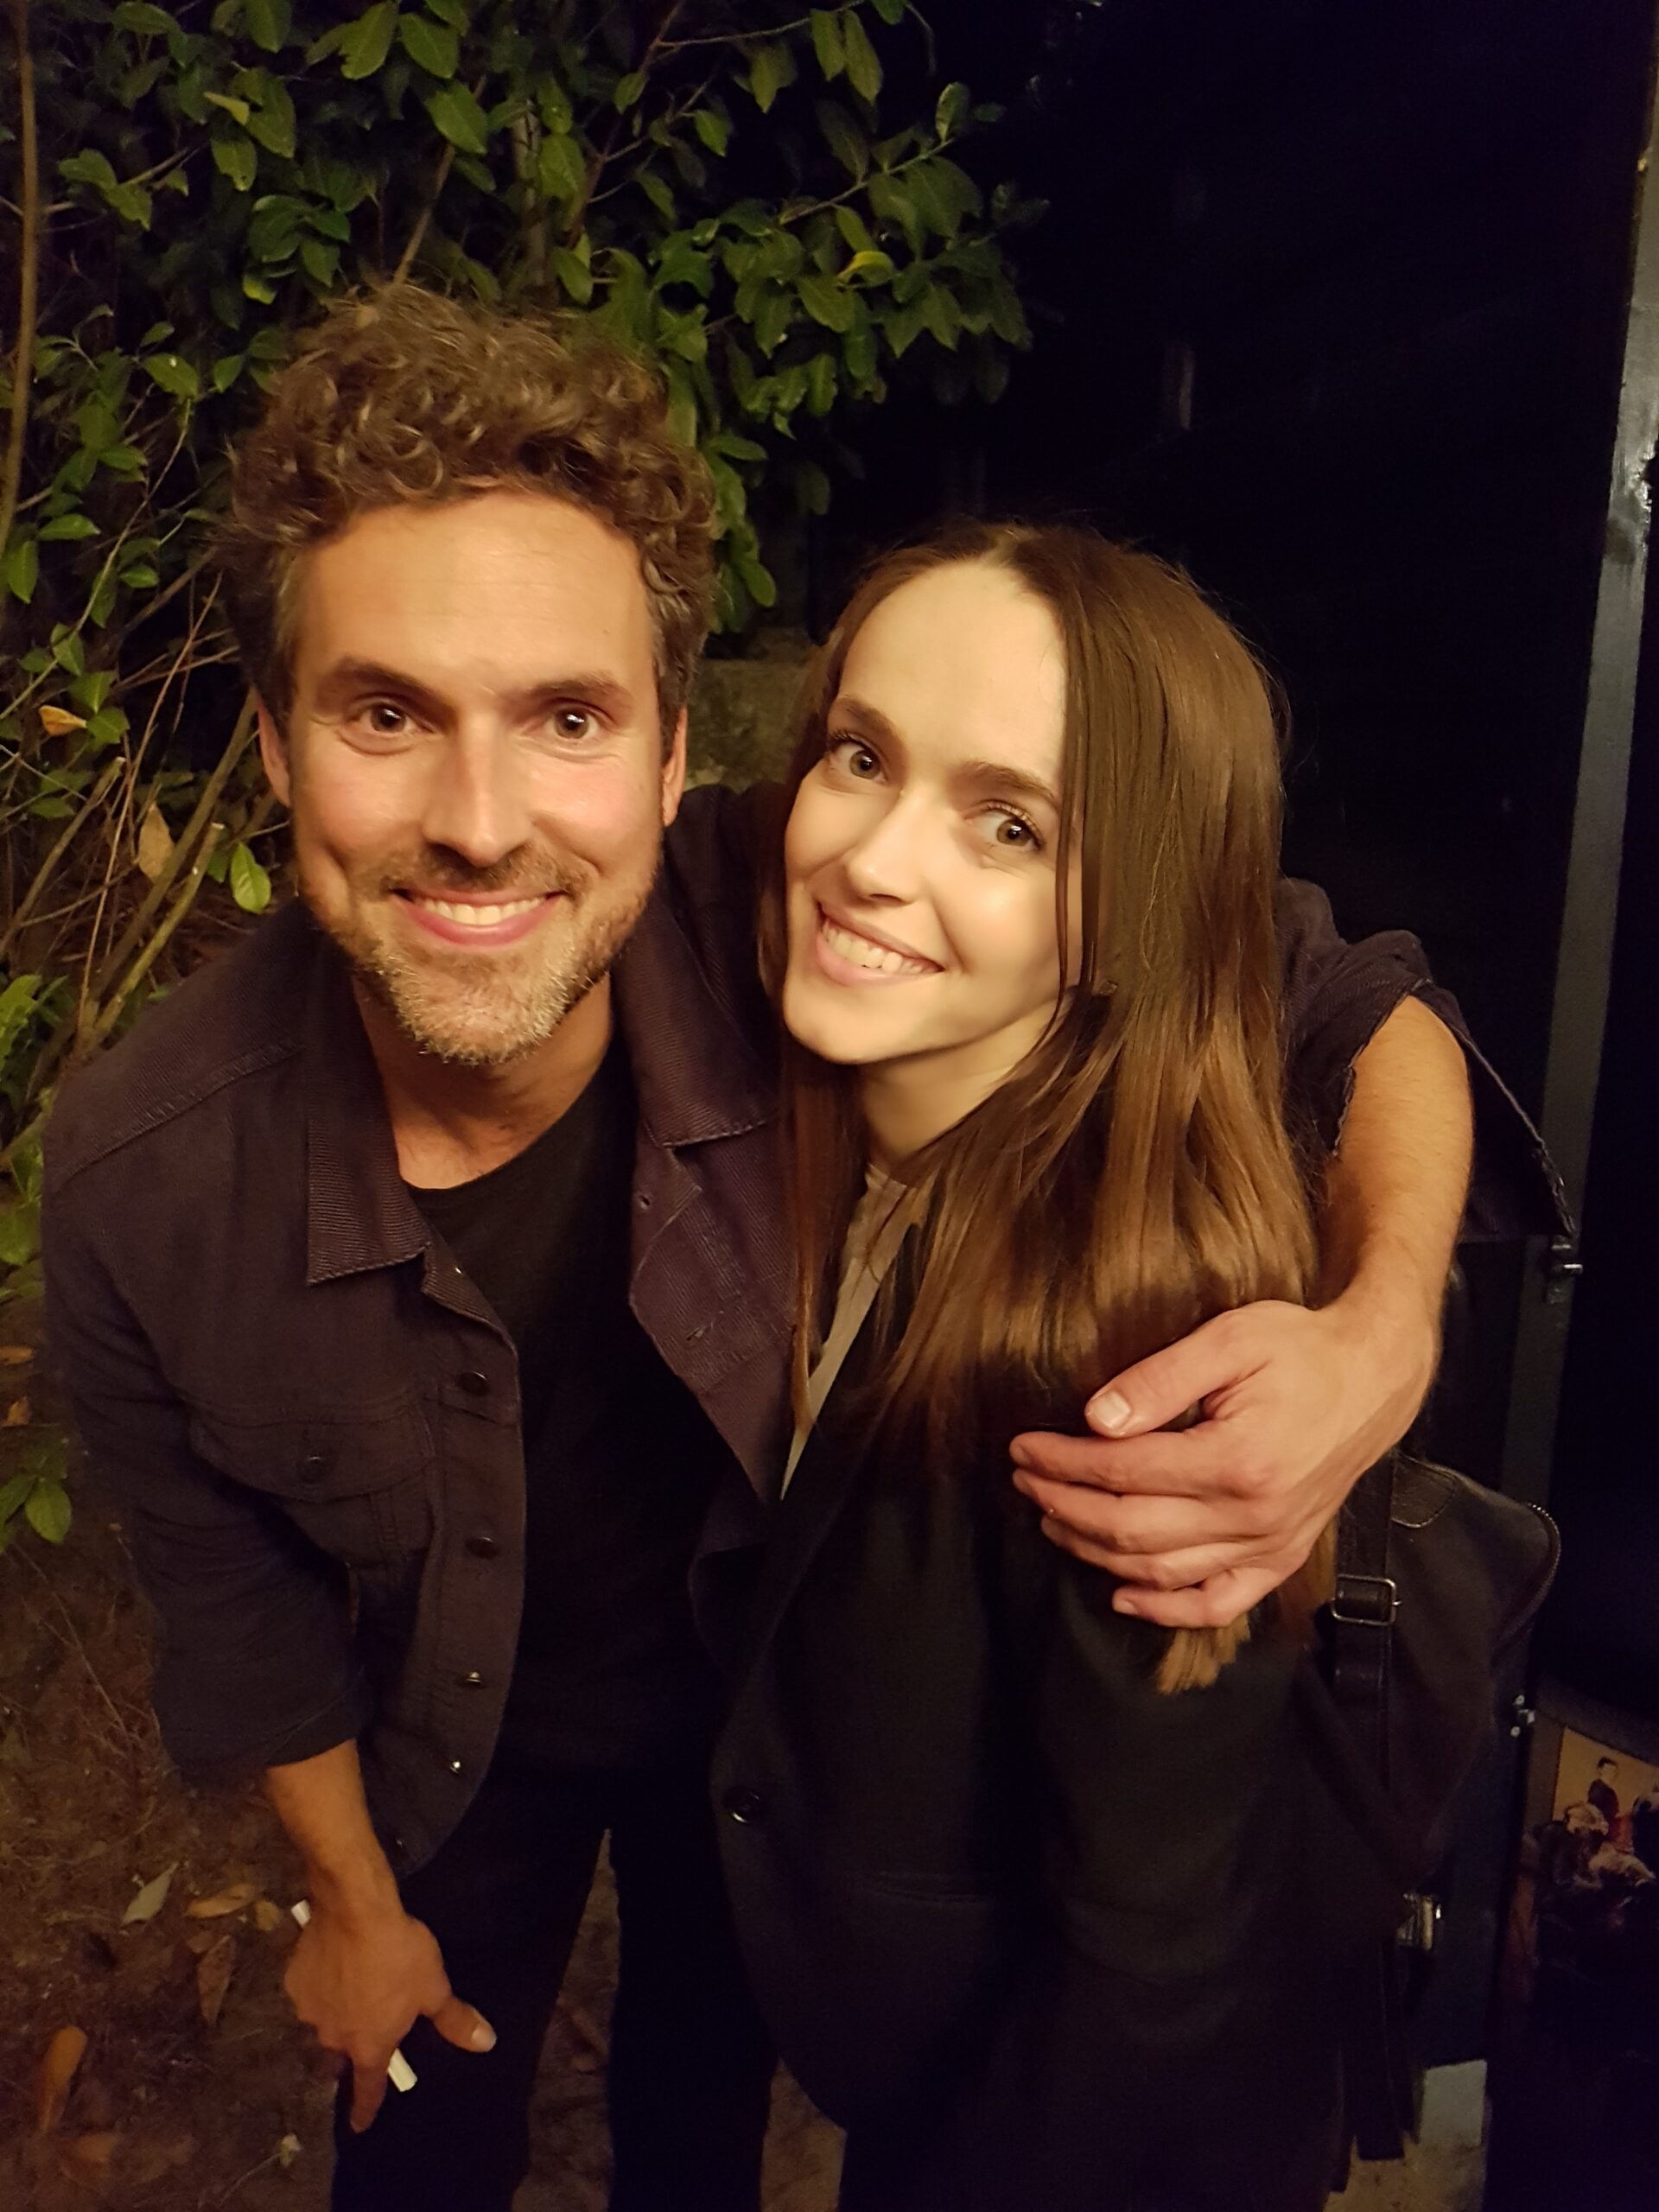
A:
<point x="1202" y="1523"/>
<point x="362" y="1981"/>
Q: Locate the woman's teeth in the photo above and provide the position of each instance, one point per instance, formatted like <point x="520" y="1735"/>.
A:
<point x="863" y="953"/>
<point x="477" y="917"/>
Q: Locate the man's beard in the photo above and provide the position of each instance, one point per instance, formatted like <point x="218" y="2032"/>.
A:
<point x="483" y="1010"/>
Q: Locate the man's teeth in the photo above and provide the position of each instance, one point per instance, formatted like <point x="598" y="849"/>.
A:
<point x="864" y="954"/>
<point x="477" y="917"/>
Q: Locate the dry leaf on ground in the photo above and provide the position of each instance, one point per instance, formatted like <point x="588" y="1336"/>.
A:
<point x="268" y="1916"/>
<point x="63" y="2055"/>
<point x="14" y="1355"/>
<point x="87" y="2157"/>
<point x="223" y="1901"/>
<point x="17" y="1415"/>
<point x="213" y="1971"/>
<point x="58" y="721"/>
<point x="151" y="1899"/>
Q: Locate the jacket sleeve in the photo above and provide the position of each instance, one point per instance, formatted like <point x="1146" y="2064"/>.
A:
<point x="254" y="1662"/>
<point x="1336" y="996"/>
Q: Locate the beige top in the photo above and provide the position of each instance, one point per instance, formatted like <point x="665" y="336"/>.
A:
<point x="873" y="1236"/>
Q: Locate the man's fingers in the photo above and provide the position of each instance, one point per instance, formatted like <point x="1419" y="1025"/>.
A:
<point x="1163" y="1571"/>
<point x="1225" y="1596"/>
<point x="1189" y="1464"/>
<point x="1159" y="1389"/>
<point x="368" y="2088"/>
<point x="460" y="2024"/>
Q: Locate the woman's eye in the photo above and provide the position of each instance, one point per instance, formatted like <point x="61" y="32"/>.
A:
<point x="1012" y="833"/>
<point x="854" y="757"/>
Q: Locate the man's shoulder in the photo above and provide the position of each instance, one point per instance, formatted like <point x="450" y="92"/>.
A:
<point x="240" y="1013"/>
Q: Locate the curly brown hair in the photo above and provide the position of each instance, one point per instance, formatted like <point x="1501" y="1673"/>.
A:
<point x="402" y="397"/>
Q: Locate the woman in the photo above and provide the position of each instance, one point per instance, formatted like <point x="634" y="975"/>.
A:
<point x="1048" y="1907"/>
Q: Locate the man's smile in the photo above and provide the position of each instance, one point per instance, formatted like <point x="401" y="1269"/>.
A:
<point x="476" y="922"/>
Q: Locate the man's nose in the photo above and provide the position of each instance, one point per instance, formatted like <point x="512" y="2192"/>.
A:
<point x="476" y="803"/>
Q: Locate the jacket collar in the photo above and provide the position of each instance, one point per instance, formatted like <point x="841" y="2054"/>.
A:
<point x="697" y="1072"/>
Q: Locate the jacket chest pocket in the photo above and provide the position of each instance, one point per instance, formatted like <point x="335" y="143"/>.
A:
<point x="361" y="1489"/>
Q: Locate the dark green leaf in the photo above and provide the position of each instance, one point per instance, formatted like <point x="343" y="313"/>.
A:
<point x="23" y="569"/>
<point x="852" y="228"/>
<point x="67" y="529"/>
<point x="575" y="277"/>
<point x="148" y="22"/>
<point x="96" y="425"/>
<point x="430" y="46"/>
<point x="259" y="288"/>
<point x="451" y="12"/>
<point x="365" y="43"/>
<point x="713" y="130"/>
<point x="91" y="690"/>
<point x="68" y="651"/>
<point x="560" y="170"/>
<point x="226" y="370"/>
<point x="321" y="261"/>
<point x="757" y="579"/>
<point x="269" y="22"/>
<point x="874" y="267"/>
<point x="821" y="388"/>
<point x="48" y="1511"/>
<point x="891" y="12"/>
<point x="811" y="488"/>
<point x="628" y="89"/>
<point x="175" y="375"/>
<point x="658" y="193"/>
<point x="827" y="303"/>
<point x="863" y="66"/>
<point x="892" y="203"/>
<point x="109" y="723"/>
<point x="87" y="167"/>
<point x="124" y="461"/>
<point x="941" y="315"/>
<point x="772" y="316"/>
<point x="680" y="262"/>
<point x="770" y="67"/>
<point x="904" y="327"/>
<point x="457" y="114"/>
<point x="826" y="41"/>
<point x="236" y="109"/>
<point x="477" y="173"/>
<point x="236" y="159"/>
<point x="1009" y="317"/>
<point x="155" y="336"/>
<point x="858" y="353"/>
<point x="272" y="123"/>
<point x="845" y="140"/>
<point x="20" y="1225"/>
<point x="991" y="374"/>
<point x="951" y="113"/>
<point x="131" y="203"/>
<point x="250" y="884"/>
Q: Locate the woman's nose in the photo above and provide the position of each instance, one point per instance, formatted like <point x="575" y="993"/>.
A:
<point x="887" y="862"/>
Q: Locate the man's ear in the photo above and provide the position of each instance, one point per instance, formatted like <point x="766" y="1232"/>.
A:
<point x="273" y="751"/>
<point x="673" y="772"/>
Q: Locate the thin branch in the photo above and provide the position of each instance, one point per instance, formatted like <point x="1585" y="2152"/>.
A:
<point x="147" y="959"/>
<point x="71" y="831"/>
<point x="28" y="276"/>
<point x="578" y="215"/>
<point x="417" y="236"/>
<point x="761" y="31"/>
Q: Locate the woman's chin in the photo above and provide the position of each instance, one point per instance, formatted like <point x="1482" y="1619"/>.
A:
<point x="834" y="1032"/>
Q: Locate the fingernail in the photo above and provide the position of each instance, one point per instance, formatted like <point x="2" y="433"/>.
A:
<point x="483" y="2036"/>
<point x="1122" y="1602"/>
<point x="1110" y="1411"/>
<point x="1021" y="1482"/>
<point x="1019" y="1454"/>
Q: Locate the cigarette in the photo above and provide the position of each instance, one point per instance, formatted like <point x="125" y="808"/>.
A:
<point x="399" y="2072"/>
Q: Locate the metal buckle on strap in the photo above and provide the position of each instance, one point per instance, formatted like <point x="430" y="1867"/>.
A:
<point x="1365" y="1600"/>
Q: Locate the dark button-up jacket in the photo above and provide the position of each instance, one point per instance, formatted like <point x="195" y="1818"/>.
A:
<point x="309" y="1413"/>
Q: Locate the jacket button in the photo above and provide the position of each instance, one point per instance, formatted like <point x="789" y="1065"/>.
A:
<point x="746" y="1806"/>
<point x="471" y="1679"/>
<point x="313" y="1467"/>
<point x="474" y="1385"/>
<point x="454" y="1766"/>
<point x="482" y="1546"/>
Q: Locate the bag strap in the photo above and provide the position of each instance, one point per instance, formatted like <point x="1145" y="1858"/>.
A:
<point x="1362" y="1613"/>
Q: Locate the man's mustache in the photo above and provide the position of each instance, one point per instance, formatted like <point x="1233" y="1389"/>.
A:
<point x="438" y="872"/>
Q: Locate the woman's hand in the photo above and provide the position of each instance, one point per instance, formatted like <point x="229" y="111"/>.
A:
<point x="1200" y="1524"/>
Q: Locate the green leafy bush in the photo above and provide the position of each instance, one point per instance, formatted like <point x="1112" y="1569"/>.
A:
<point x="723" y="182"/>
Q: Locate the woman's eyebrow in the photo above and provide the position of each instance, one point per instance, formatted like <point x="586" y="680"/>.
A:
<point x="871" y="719"/>
<point x="1003" y="776"/>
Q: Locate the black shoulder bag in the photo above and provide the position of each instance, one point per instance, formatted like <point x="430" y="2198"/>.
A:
<point x="1438" y="1579"/>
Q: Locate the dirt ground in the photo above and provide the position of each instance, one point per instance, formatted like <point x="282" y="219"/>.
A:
<point x="168" y="2110"/>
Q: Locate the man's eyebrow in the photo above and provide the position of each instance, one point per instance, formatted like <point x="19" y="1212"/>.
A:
<point x="591" y="687"/>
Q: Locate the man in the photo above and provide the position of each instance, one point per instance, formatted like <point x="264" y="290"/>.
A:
<point x="419" y="1277"/>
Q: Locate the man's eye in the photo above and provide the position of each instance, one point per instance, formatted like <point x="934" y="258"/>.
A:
<point x="385" y="719"/>
<point x="573" y="721"/>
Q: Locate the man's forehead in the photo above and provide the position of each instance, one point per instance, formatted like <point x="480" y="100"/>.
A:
<point x="508" y="586"/>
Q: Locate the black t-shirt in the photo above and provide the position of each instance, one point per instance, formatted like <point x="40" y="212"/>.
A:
<point x="619" y="1459"/>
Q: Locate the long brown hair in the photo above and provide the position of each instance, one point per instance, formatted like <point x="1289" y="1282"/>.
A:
<point x="1134" y="1176"/>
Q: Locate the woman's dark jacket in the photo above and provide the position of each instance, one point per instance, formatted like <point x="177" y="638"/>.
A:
<point x="983" y="1869"/>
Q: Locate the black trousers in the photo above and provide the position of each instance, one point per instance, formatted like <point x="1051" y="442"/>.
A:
<point x="690" y="2062"/>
